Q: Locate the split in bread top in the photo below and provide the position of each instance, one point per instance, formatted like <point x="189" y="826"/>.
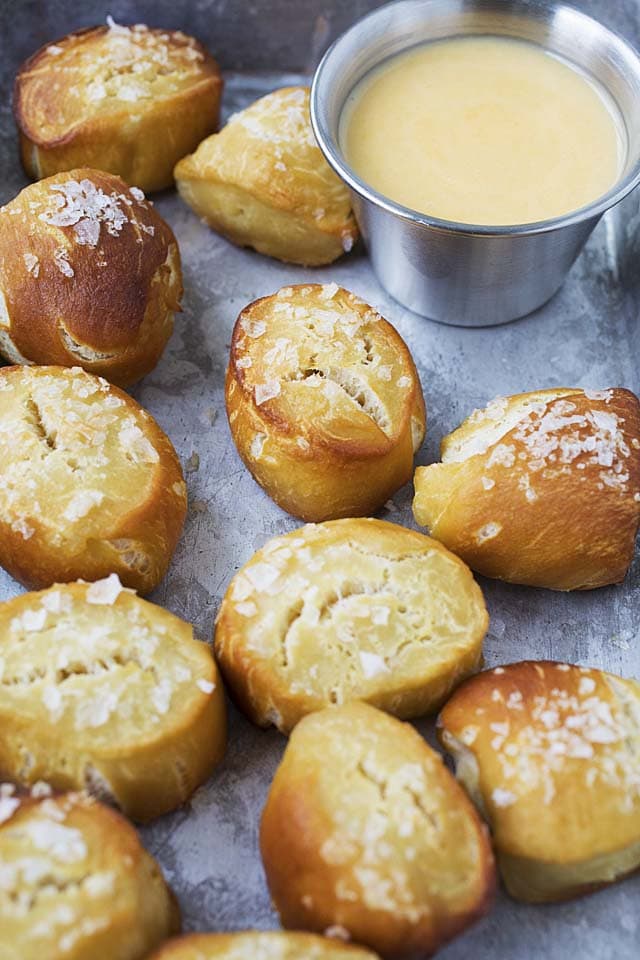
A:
<point x="324" y="401"/>
<point x="349" y="610"/>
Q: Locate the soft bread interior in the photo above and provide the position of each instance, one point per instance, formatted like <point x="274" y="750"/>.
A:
<point x="484" y="428"/>
<point x="373" y="613"/>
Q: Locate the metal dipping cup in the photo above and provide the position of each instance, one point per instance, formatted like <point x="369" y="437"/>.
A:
<point x="458" y="273"/>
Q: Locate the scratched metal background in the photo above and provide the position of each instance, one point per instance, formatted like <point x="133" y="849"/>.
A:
<point x="586" y="336"/>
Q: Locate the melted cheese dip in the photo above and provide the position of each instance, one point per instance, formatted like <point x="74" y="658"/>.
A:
<point x="483" y="130"/>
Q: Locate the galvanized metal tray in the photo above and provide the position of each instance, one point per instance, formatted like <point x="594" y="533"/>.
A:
<point x="586" y="336"/>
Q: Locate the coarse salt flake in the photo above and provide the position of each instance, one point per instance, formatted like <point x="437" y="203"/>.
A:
<point x="105" y="592"/>
<point x="32" y="264"/>
<point x="266" y="391"/>
<point x="372" y="664"/>
<point x="503" y="798"/>
<point x="8" y="806"/>
<point x="329" y="291"/>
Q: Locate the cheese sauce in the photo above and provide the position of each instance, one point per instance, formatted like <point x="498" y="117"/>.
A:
<point x="483" y="130"/>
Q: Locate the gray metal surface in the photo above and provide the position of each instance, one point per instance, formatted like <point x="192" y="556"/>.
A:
<point x="587" y="335"/>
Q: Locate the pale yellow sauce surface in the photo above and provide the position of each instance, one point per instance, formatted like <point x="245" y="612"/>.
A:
<point x="483" y="130"/>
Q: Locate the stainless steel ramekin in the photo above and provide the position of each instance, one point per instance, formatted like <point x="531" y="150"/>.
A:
<point x="473" y="275"/>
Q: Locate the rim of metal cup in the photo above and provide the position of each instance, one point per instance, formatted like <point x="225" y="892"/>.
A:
<point x="328" y="139"/>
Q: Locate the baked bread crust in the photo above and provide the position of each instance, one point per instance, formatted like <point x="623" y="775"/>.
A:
<point x="366" y="832"/>
<point x="128" y="100"/>
<point x="77" y="883"/>
<point x="89" y="276"/>
<point x="541" y="488"/>
<point x="324" y="402"/>
<point x="89" y="483"/>
<point x="349" y="610"/>
<point x="263" y="182"/>
<point x="549" y="753"/>
<point x="254" y="945"/>
<point x="100" y="690"/>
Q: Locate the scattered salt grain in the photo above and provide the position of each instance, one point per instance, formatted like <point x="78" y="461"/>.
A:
<point x="105" y="592"/>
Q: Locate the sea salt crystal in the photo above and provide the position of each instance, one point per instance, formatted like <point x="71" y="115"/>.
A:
<point x="503" y="798"/>
<point x="598" y="395"/>
<point x="116" y="27"/>
<point x="587" y="685"/>
<point x="105" y="592"/>
<point x="61" y="260"/>
<point x="262" y="575"/>
<point x="246" y="608"/>
<point x="40" y="789"/>
<point x="22" y="527"/>
<point x="86" y="208"/>
<point x="256" y="445"/>
<point x="161" y="695"/>
<point x="133" y="439"/>
<point x="380" y="616"/>
<point x="52" y="699"/>
<point x="488" y="532"/>
<point x="82" y="503"/>
<point x="503" y="455"/>
<point x="65" y="844"/>
<point x="33" y="620"/>
<point x="8" y="806"/>
<point x="206" y="686"/>
<point x="254" y="328"/>
<point x="32" y="264"/>
<point x="87" y="232"/>
<point x="372" y="664"/>
<point x="99" y="884"/>
<point x="266" y="391"/>
<point x="329" y="291"/>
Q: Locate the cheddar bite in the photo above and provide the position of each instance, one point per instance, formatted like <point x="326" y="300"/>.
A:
<point x="128" y="100"/>
<point x="324" y="402"/>
<point x="263" y="183"/>
<point x="541" y="488"/>
<point x="549" y="754"/>
<point x="89" y="276"/>
<point x="103" y="691"/>
<point x="367" y="832"/>
<point x="91" y="484"/>
<point x="77" y="884"/>
<point x="349" y="610"/>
